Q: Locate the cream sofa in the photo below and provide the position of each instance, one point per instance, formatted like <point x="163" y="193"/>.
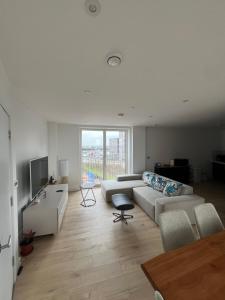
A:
<point x="152" y="201"/>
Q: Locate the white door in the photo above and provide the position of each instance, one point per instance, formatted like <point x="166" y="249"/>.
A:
<point x="6" y="268"/>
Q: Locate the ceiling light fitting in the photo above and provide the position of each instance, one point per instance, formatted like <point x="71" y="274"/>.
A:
<point x="88" y="92"/>
<point x="93" y="7"/>
<point x="113" y="60"/>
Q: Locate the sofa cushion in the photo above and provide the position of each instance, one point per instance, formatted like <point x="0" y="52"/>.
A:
<point x="148" y="177"/>
<point x="159" y="183"/>
<point x="184" y="202"/>
<point x="187" y="190"/>
<point x="172" y="188"/>
<point x="111" y="187"/>
<point x="129" y="177"/>
<point x="153" y="180"/>
<point x="145" y="197"/>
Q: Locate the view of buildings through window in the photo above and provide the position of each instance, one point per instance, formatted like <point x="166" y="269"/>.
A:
<point x="104" y="154"/>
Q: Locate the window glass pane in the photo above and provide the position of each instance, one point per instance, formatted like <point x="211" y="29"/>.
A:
<point x="115" y="154"/>
<point x="97" y="143"/>
<point x="92" y="156"/>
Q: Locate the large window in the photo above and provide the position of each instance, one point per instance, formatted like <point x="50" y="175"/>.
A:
<point x="103" y="154"/>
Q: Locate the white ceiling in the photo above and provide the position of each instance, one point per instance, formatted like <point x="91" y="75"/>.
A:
<point x="172" y="50"/>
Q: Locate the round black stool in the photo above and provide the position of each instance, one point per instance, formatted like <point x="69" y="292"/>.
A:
<point x="122" y="202"/>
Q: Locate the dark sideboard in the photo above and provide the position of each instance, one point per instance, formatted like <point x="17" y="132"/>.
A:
<point x="178" y="173"/>
<point x="218" y="168"/>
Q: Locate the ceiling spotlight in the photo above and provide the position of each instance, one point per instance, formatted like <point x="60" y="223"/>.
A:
<point x="185" y="100"/>
<point x="113" y="60"/>
<point x="121" y="115"/>
<point x="93" y="7"/>
<point x="88" y="92"/>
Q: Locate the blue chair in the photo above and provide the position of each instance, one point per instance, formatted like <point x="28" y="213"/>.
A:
<point x="91" y="177"/>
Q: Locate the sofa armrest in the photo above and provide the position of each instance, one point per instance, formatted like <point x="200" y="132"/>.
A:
<point x="184" y="202"/>
<point x="129" y="177"/>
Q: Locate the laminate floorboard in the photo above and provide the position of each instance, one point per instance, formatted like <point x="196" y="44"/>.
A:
<point x="94" y="259"/>
<point x="91" y="258"/>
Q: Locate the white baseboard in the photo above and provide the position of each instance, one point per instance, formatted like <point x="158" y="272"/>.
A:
<point x="74" y="189"/>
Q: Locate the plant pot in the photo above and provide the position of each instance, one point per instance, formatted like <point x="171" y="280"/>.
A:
<point x="26" y="249"/>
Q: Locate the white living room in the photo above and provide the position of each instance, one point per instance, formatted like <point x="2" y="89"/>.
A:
<point x="112" y="150"/>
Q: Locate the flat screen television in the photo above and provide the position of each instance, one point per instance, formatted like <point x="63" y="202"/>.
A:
<point x="38" y="175"/>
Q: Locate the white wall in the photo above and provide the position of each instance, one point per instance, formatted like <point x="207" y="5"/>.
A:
<point x="64" y="143"/>
<point x="69" y="148"/>
<point x="197" y="145"/>
<point x="139" y="149"/>
<point x="29" y="140"/>
<point x="6" y="101"/>
<point x="53" y="149"/>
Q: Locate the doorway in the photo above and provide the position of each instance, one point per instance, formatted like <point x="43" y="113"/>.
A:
<point x="6" y="253"/>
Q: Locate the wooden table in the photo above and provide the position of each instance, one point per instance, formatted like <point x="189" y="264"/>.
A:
<point x="193" y="272"/>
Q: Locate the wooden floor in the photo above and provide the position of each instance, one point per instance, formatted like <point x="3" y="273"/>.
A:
<point x="93" y="258"/>
<point x="213" y="192"/>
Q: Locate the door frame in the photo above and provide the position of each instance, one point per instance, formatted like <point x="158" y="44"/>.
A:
<point x="13" y="200"/>
<point x="127" y="131"/>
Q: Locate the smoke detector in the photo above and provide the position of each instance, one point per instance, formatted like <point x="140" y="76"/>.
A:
<point x="114" y="59"/>
<point x="93" y="7"/>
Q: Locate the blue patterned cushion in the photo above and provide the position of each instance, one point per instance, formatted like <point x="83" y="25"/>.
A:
<point x="159" y="183"/>
<point x="152" y="180"/>
<point x="148" y="178"/>
<point x="172" y="189"/>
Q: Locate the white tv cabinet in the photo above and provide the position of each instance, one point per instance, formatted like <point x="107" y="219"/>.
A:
<point x="45" y="217"/>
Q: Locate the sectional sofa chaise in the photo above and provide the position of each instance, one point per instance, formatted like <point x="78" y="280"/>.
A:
<point x="153" y="193"/>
